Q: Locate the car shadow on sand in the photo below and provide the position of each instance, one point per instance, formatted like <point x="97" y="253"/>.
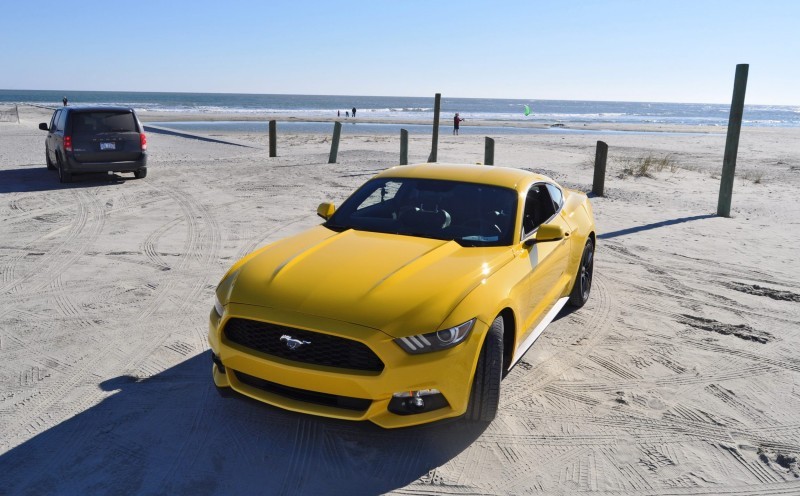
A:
<point x="38" y="178"/>
<point x="173" y="434"/>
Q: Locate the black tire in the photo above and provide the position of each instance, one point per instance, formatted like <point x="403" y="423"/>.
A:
<point x="484" y="398"/>
<point x="63" y="176"/>
<point x="140" y="173"/>
<point x="583" y="278"/>
<point x="50" y="165"/>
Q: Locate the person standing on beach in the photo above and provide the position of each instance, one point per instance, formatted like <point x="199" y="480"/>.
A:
<point x="64" y="100"/>
<point x="456" y="120"/>
<point x="354" y="111"/>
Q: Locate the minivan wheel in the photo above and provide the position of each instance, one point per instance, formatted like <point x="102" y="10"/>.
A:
<point x="63" y="176"/>
<point x="141" y="173"/>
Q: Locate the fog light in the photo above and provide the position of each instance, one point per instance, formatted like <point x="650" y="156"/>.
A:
<point x="411" y="402"/>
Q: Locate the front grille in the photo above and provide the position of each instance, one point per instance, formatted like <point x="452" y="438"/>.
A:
<point x="320" y="349"/>
<point x="344" y="402"/>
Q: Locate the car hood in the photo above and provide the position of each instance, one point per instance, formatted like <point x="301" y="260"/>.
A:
<point x="401" y="285"/>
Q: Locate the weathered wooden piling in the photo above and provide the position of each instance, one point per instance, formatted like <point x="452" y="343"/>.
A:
<point x="403" y="147"/>
<point x="273" y="139"/>
<point x="435" y="145"/>
<point x="600" y="156"/>
<point x="337" y="131"/>
<point x="488" y="151"/>
<point x="732" y="141"/>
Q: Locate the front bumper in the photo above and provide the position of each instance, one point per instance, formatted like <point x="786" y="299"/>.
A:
<point x="291" y="384"/>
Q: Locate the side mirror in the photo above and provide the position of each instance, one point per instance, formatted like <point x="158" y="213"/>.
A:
<point x="546" y="232"/>
<point x="43" y="126"/>
<point x="325" y="210"/>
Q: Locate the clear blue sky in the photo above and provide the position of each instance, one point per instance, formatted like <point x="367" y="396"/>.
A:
<point x="629" y="50"/>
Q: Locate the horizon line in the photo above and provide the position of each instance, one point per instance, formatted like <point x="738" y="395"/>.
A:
<point x="392" y="96"/>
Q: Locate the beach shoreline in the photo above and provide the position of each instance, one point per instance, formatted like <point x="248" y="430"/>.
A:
<point x="42" y="113"/>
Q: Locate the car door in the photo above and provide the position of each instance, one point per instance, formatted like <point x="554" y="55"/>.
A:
<point x="547" y="260"/>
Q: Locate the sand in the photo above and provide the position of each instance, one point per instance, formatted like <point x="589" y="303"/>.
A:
<point x="680" y="376"/>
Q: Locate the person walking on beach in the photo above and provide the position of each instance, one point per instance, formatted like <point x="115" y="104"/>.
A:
<point x="354" y="111"/>
<point x="346" y="113"/>
<point x="456" y="120"/>
<point x="64" y="100"/>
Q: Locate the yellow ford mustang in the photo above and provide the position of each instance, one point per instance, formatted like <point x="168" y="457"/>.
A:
<point x="411" y="301"/>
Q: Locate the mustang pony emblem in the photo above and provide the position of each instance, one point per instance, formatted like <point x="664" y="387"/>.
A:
<point x="293" y="343"/>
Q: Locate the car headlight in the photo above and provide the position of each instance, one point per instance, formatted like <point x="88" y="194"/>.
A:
<point x="218" y="305"/>
<point x="437" y="340"/>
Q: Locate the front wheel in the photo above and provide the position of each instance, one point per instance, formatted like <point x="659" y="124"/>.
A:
<point x="484" y="398"/>
<point x="583" y="279"/>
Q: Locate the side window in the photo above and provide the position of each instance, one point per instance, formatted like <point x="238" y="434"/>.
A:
<point x="539" y="208"/>
<point x="62" y="119"/>
<point x="54" y="120"/>
<point x="556" y="195"/>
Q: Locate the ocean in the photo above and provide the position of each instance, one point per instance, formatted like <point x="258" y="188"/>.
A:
<point x="418" y="108"/>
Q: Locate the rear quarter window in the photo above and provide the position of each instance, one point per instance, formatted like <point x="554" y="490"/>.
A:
<point x="103" y="122"/>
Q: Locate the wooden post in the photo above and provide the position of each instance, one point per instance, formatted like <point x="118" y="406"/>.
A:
<point x="435" y="146"/>
<point x="600" y="156"/>
<point x="403" y="147"/>
<point x="732" y="141"/>
<point x="337" y="131"/>
<point x="488" y="151"/>
<point x="273" y="139"/>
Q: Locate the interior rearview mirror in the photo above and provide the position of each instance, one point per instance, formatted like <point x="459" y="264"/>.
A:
<point x="325" y="210"/>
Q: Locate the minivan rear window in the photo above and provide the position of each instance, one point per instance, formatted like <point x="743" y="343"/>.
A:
<point x="103" y="122"/>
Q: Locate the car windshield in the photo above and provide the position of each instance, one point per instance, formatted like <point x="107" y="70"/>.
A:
<point x="468" y="213"/>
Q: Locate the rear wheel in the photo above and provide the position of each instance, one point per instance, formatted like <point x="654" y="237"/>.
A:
<point x="484" y="398"/>
<point x="63" y="175"/>
<point x="583" y="279"/>
<point x="141" y="173"/>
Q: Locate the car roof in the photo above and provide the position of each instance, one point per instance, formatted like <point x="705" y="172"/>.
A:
<point x="507" y="177"/>
<point x="104" y="108"/>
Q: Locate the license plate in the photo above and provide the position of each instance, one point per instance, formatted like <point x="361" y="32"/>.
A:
<point x="108" y="146"/>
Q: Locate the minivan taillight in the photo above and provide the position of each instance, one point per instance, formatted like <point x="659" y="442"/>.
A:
<point x="68" y="143"/>
<point x="143" y="140"/>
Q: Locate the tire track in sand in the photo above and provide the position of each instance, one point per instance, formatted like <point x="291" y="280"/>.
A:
<point x="595" y="322"/>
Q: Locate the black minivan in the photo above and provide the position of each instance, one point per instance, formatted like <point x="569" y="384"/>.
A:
<point x="95" y="139"/>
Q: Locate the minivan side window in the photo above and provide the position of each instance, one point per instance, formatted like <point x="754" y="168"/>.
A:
<point x="62" y="119"/>
<point x="54" y="120"/>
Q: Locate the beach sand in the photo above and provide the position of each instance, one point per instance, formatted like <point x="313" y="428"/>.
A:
<point x="680" y="376"/>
